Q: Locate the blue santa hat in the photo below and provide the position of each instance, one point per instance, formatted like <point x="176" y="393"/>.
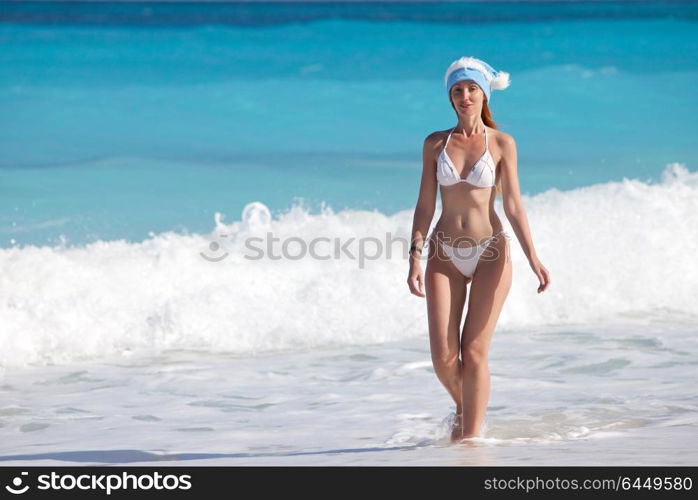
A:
<point x="470" y="68"/>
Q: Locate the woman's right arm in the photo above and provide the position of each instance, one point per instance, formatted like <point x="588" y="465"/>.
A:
<point x="423" y="213"/>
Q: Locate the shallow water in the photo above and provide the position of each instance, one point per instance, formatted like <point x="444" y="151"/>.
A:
<point x="621" y="395"/>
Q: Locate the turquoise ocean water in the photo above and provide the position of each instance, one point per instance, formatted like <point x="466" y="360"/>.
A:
<point x="121" y="119"/>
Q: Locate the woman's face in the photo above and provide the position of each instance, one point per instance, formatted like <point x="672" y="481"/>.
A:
<point x="467" y="97"/>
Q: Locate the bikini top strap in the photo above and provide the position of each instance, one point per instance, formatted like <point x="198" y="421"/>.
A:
<point x="449" y="137"/>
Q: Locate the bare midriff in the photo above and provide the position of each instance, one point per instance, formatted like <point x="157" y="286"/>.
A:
<point x="468" y="215"/>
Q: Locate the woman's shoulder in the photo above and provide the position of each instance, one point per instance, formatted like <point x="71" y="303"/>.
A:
<point x="503" y="139"/>
<point x="437" y="137"/>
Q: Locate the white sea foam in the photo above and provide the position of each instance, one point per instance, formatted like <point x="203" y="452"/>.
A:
<point x="617" y="252"/>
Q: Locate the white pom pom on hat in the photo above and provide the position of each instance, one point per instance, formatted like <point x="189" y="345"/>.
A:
<point x="501" y="81"/>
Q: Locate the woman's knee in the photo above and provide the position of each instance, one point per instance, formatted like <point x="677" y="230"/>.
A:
<point x="444" y="362"/>
<point x="474" y="356"/>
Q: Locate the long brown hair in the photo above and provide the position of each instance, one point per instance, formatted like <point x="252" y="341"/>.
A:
<point x="486" y="116"/>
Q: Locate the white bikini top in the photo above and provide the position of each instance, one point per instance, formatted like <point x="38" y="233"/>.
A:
<point x="482" y="174"/>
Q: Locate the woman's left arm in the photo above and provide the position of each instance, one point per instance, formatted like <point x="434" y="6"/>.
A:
<point x="514" y="209"/>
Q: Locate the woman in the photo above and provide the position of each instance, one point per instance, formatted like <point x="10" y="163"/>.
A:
<point x="466" y="245"/>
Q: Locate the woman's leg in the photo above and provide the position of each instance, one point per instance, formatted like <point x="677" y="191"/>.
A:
<point x="488" y="291"/>
<point x="446" y="290"/>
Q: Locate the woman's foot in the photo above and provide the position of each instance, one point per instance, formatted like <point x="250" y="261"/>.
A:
<point x="483" y="429"/>
<point x="457" y="428"/>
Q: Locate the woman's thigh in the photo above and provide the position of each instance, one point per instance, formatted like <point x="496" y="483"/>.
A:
<point x="489" y="289"/>
<point x="446" y="291"/>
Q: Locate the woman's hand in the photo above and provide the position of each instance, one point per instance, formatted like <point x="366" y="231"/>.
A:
<point x="542" y="273"/>
<point x="415" y="280"/>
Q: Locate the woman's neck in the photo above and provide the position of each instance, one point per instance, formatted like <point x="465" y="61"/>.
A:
<point x="474" y="126"/>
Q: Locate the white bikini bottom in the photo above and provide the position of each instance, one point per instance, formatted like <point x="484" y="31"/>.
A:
<point x="466" y="258"/>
